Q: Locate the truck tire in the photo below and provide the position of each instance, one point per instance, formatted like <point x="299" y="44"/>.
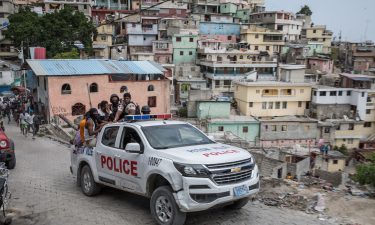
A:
<point x="238" y="204"/>
<point x="88" y="185"/>
<point x="11" y="164"/>
<point x="164" y="208"/>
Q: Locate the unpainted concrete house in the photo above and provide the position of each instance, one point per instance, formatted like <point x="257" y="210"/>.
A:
<point x="286" y="131"/>
<point x="279" y="164"/>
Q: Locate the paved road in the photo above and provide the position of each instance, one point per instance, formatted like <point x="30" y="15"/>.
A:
<point x="45" y="193"/>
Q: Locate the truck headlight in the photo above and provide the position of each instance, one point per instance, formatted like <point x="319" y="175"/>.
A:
<point x="190" y="170"/>
<point x="3" y="144"/>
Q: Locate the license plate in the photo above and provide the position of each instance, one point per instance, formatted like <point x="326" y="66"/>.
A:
<point x="241" y="190"/>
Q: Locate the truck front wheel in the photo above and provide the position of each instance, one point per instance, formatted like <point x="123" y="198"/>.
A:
<point x="164" y="208"/>
<point x="88" y="185"/>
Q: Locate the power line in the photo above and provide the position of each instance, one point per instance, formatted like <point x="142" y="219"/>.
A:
<point x="153" y="6"/>
<point x="135" y="13"/>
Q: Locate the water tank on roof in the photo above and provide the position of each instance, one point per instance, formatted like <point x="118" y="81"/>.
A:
<point x="39" y="53"/>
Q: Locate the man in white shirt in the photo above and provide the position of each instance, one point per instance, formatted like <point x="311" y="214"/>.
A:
<point x="104" y="111"/>
<point x="30" y="122"/>
<point x="23" y="124"/>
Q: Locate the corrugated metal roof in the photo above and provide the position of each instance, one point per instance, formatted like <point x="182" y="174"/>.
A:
<point x="71" y="67"/>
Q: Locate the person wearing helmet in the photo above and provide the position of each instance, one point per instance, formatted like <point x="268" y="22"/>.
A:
<point x="126" y="107"/>
<point x="145" y="110"/>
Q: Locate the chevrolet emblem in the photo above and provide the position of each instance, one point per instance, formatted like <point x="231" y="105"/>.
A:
<point x="235" y="170"/>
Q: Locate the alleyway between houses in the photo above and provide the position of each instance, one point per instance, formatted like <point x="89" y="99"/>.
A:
<point x="44" y="193"/>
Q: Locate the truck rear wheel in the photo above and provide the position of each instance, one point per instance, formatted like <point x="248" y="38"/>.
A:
<point x="238" y="204"/>
<point x="11" y="163"/>
<point x="88" y="185"/>
<point x="164" y="208"/>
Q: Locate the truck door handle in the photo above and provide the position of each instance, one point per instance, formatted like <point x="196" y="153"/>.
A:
<point x="99" y="153"/>
<point x="117" y="156"/>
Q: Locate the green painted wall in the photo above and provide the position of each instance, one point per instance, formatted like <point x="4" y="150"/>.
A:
<point x="212" y="110"/>
<point x="188" y="55"/>
<point x="185" y="44"/>
<point x="314" y="48"/>
<point x="236" y="127"/>
<point x="243" y="14"/>
<point x="184" y="41"/>
<point x="228" y="8"/>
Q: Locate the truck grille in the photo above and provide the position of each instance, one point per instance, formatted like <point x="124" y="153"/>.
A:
<point x="232" y="178"/>
<point x="232" y="172"/>
<point x="230" y="164"/>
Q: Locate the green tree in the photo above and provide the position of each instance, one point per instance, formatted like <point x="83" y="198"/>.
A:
<point x="73" y="54"/>
<point x="365" y="173"/>
<point x="24" y="27"/>
<point x="305" y="10"/>
<point x="56" y="31"/>
<point x="343" y="149"/>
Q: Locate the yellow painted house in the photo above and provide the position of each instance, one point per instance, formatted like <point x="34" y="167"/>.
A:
<point x="334" y="161"/>
<point x="262" y="39"/>
<point x="271" y="98"/>
<point x="103" y="41"/>
<point x="319" y="34"/>
<point x="350" y="134"/>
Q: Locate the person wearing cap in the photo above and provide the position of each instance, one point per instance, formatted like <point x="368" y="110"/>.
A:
<point x="126" y="107"/>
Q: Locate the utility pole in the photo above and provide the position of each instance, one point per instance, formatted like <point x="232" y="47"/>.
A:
<point x="23" y="71"/>
<point x="366" y="28"/>
<point x="88" y="91"/>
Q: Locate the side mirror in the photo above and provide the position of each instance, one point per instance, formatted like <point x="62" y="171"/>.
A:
<point x="212" y="138"/>
<point x="133" y="148"/>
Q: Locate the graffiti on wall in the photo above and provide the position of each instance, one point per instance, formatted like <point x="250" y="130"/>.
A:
<point x="58" y="110"/>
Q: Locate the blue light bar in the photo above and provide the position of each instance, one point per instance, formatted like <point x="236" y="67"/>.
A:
<point x="147" y="117"/>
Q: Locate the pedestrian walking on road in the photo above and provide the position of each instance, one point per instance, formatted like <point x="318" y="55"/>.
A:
<point x="36" y="121"/>
<point x="30" y="122"/>
<point x="23" y="124"/>
<point x="7" y="112"/>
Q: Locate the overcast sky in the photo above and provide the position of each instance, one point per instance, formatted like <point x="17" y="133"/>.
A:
<point x="348" y="16"/>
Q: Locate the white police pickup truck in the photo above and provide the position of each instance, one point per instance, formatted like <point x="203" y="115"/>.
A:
<point x="175" y="164"/>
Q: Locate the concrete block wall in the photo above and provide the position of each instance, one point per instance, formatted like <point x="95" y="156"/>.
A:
<point x="269" y="167"/>
<point x="335" y="178"/>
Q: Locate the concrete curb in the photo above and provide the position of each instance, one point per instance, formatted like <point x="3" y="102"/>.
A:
<point x="61" y="141"/>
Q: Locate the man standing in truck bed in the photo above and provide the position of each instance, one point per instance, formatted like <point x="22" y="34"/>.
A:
<point x="126" y="107"/>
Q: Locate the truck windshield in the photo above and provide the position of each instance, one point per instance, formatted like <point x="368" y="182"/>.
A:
<point x="173" y="136"/>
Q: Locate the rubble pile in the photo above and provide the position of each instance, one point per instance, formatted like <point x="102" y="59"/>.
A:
<point x="288" y="200"/>
<point x="285" y="193"/>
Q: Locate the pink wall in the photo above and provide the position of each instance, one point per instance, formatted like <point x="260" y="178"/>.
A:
<point x="222" y="38"/>
<point x="287" y="143"/>
<point x="62" y="104"/>
<point x="364" y="64"/>
<point x="322" y="65"/>
<point x="173" y="12"/>
<point x="163" y="58"/>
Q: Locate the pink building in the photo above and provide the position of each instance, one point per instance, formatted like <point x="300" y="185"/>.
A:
<point x="324" y="65"/>
<point x="220" y="38"/>
<point x="72" y="87"/>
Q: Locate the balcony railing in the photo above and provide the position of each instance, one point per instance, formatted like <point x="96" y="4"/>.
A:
<point x="207" y="2"/>
<point x="236" y="62"/>
<point x="68" y="1"/>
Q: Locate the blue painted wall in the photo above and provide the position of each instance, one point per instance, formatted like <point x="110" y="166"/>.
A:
<point x="4" y="88"/>
<point x="219" y="28"/>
